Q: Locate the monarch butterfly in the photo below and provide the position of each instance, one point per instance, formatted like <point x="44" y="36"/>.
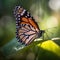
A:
<point x="26" y="27"/>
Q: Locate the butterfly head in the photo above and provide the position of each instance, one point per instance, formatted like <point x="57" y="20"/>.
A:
<point x="41" y="33"/>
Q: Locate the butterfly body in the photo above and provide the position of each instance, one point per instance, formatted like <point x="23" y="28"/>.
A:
<point x="26" y="28"/>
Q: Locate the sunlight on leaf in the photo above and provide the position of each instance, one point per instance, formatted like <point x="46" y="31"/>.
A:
<point x="50" y="46"/>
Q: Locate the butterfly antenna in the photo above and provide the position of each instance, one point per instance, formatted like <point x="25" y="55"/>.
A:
<point x="47" y="35"/>
<point x="50" y="28"/>
<point x="47" y="30"/>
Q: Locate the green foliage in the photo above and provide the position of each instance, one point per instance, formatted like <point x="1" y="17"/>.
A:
<point x="47" y="50"/>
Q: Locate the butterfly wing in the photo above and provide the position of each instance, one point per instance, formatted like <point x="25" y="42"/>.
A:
<point x="27" y="28"/>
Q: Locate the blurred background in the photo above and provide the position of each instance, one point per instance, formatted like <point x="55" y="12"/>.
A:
<point x="47" y="15"/>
